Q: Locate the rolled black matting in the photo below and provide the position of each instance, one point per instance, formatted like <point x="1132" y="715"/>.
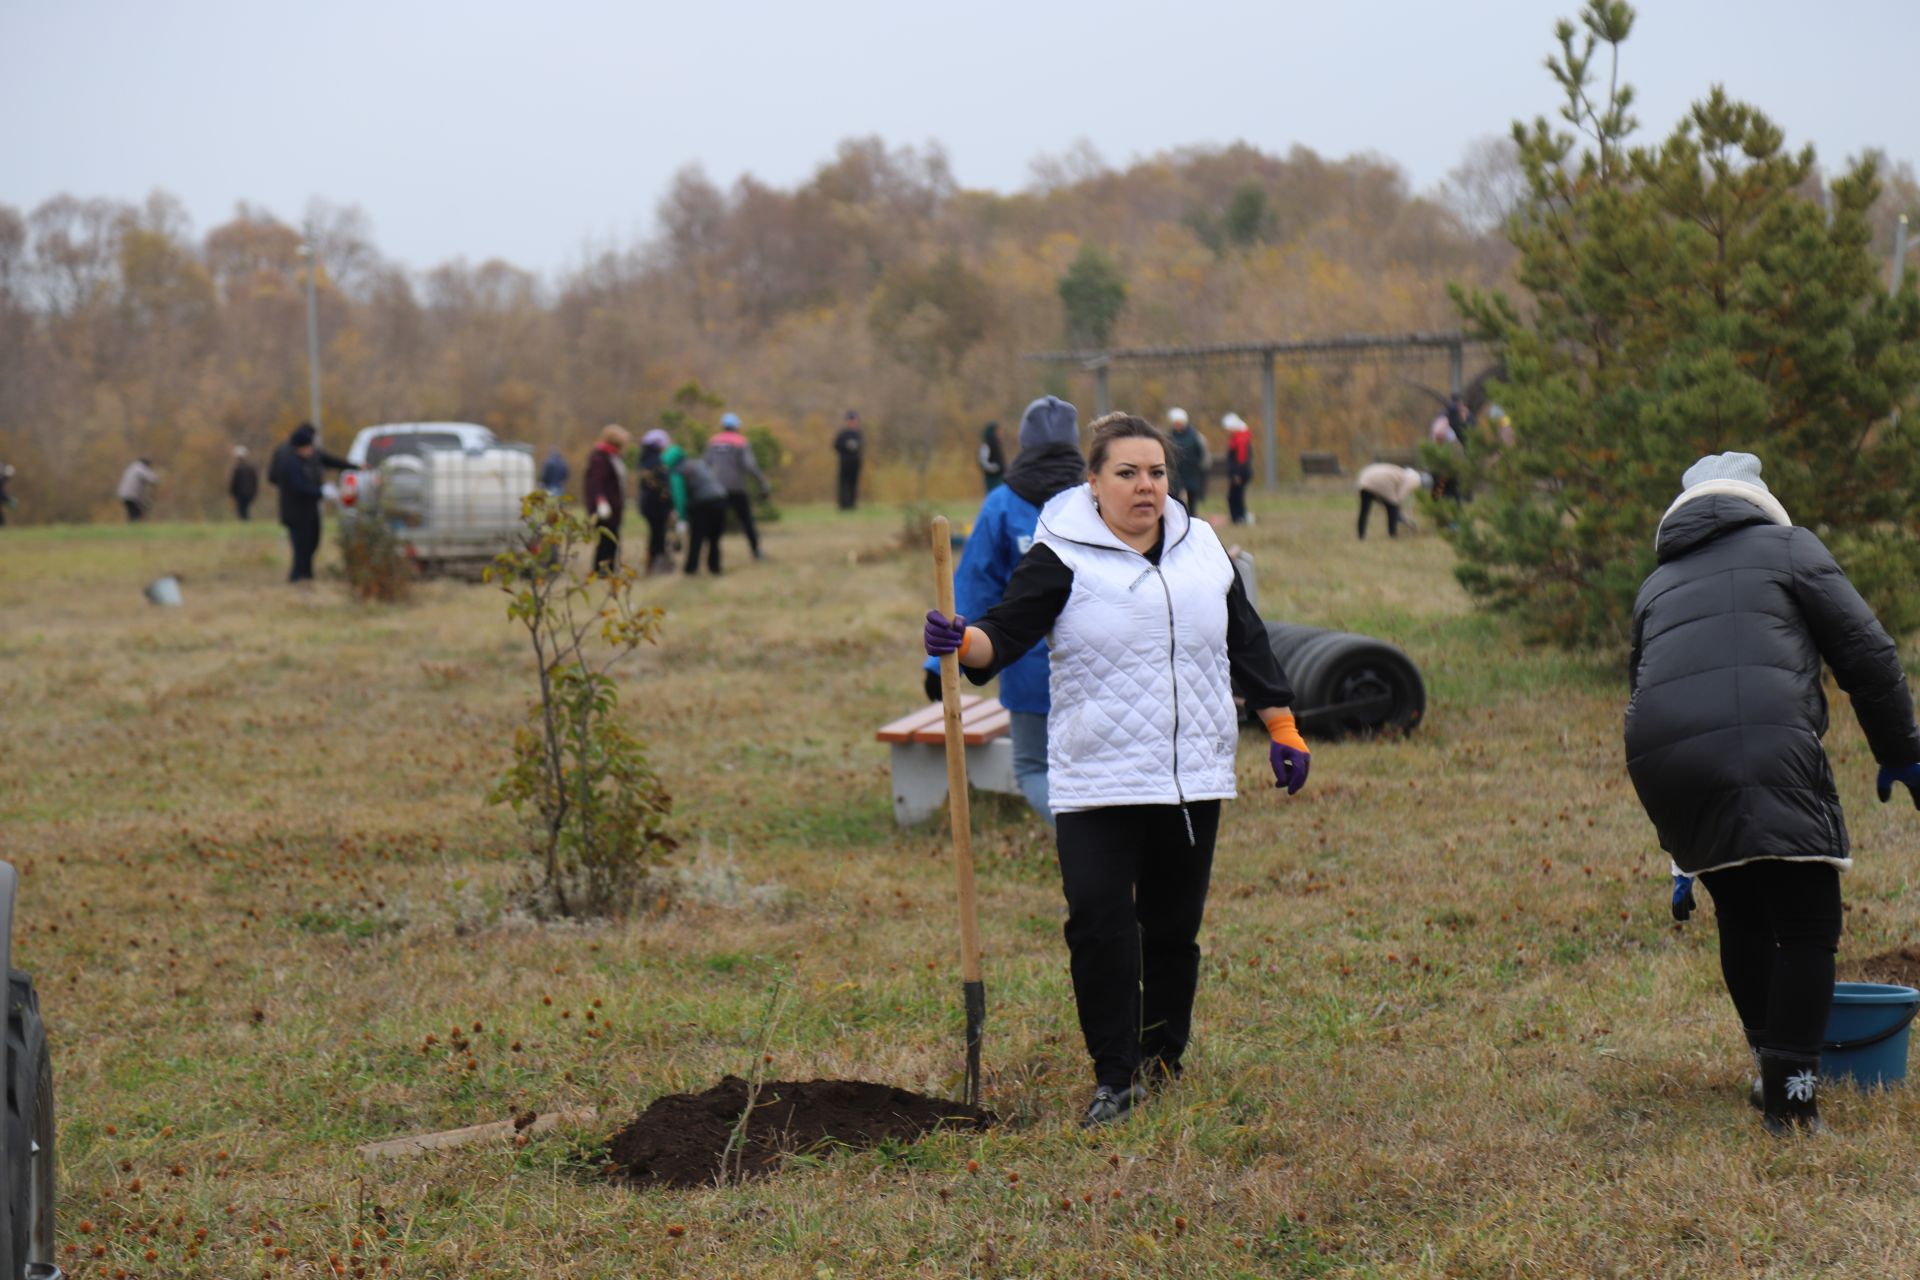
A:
<point x="1347" y="685"/>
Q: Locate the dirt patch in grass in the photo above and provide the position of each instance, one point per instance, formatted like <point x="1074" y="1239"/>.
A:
<point x="680" y="1139"/>
<point x="1900" y="967"/>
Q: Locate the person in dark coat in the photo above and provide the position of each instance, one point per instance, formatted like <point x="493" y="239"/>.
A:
<point x="243" y="485"/>
<point x="849" y="445"/>
<point x="605" y="490"/>
<point x="655" y="493"/>
<point x="554" y="472"/>
<point x="298" y="470"/>
<point x="993" y="463"/>
<point x="1188" y="461"/>
<point x="1723" y="732"/>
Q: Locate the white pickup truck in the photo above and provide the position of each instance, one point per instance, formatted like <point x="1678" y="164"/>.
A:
<point x="451" y="489"/>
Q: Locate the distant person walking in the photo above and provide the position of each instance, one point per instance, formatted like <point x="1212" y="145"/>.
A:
<point x="850" y="444"/>
<point x="1239" y="467"/>
<point x="993" y="463"/>
<point x="654" y="489"/>
<point x="1048" y="462"/>
<point x="730" y="458"/>
<point x="137" y="483"/>
<point x="605" y="490"/>
<point x="700" y="500"/>
<point x="554" y="472"/>
<point x="1190" y="459"/>
<point x="243" y="482"/>
<point x="298" y="470"/>
<point x="1392" y="487"/>
<point x="6" y="499"/>
<point x="1723" y="730"/>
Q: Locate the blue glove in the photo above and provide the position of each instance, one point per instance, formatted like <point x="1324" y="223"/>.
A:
<point x="1682" y="896"/>
<point x="944" y="635"/>
<point x="1907" y="775"/>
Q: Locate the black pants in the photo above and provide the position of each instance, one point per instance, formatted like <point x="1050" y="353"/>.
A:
<point x="1779" y="929"/>
<point x="742" y="507"/>
<point x="134" y="510"/>
<point x="1393" y="513"/>
<point x="241" y="506"/>
<point x="606" y="545"/>
<point x="659" y="521"/>
<point x="705" y="520"/>
<point x="1135" y="892"/>
<point x="1237" y="501"/>
<point x="303" y="530"/>
<point x="849" y="486"/>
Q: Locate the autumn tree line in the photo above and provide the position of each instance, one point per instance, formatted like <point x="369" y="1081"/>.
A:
<point x="879" y="284"/>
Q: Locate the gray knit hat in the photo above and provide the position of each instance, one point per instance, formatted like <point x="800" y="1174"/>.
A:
<point x="1049" y="420"/>
<point x="1743" y="467"/>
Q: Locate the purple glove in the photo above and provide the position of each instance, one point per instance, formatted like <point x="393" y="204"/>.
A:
<point x="943" y="636"/>
<point x="1289" y="766"/>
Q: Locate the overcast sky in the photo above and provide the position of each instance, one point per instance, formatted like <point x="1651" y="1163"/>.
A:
<point x="534" y="132"/>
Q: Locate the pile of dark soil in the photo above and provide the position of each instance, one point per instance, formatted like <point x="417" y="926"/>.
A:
<point x="1901" y="967"/>
<point x="679" y="1140"/>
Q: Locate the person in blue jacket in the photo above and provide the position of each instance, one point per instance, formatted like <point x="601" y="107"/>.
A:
<point x="1049" y="461"/>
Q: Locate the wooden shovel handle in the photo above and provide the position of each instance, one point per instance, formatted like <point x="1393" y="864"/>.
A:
<point x="957" y="810"/>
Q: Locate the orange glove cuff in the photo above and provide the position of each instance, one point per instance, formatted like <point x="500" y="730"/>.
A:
<point x="1284" y="731"/>
<point x="966" y="638"/>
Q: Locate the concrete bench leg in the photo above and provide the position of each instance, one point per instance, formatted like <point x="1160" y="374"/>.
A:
<point x="919" y="781"/>
<point x="990" y="767"/>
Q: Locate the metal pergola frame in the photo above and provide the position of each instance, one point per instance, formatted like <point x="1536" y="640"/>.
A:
<point x="1348" y="348"/>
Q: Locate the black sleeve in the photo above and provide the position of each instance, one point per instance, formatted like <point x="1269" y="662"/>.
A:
<point x="1255" y="672"/>
<point x="1865" y="661"/>
<point x="333" y="460"/>
<point x="1036" y="593"/>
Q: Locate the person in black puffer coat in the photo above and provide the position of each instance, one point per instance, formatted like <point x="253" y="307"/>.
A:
<point x="1723" y="734"/>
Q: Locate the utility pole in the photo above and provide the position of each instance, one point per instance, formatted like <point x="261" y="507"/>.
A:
<point x="312" y="257"/>
<point x="1269" y="424"/>
<point x="1899" y="255"/>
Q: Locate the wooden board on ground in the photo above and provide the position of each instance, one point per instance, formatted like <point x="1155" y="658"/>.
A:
<point x="447" y="1138"/>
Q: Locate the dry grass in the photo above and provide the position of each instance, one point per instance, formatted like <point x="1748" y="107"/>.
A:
<point x="1445" y="1026"/>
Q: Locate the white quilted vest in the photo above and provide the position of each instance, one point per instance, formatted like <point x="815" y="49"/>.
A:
<point x="1142" y="703"/>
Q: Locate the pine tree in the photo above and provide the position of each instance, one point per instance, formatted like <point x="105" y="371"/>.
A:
<point x="1681" y="300"/>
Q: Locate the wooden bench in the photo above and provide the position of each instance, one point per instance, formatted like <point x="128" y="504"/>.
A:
<point x="919" y="745"/>
<point x="1320" y="464"/>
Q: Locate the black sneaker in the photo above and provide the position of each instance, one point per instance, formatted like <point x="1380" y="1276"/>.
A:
<point x="1110" y="1104"/>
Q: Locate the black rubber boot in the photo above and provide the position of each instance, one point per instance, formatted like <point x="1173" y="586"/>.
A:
<point x="1790" y="1088"/>
<point x="1755" y="1098"/>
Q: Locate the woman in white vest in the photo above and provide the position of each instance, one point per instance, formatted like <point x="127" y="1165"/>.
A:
<point x="1151" y="635"/>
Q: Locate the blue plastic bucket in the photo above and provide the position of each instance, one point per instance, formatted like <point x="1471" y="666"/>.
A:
<point x="1867" y="1033"/>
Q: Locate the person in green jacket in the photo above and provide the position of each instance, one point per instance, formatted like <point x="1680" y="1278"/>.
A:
<point x="700" y="500"/>
<point x="1189" y="460"/>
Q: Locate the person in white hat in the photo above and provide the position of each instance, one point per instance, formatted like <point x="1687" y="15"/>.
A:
<point x="1239" y="467"/>
<point x="1190" y="460"/>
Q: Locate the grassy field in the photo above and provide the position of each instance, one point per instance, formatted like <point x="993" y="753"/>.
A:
<point x="1445" y="1027"/>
